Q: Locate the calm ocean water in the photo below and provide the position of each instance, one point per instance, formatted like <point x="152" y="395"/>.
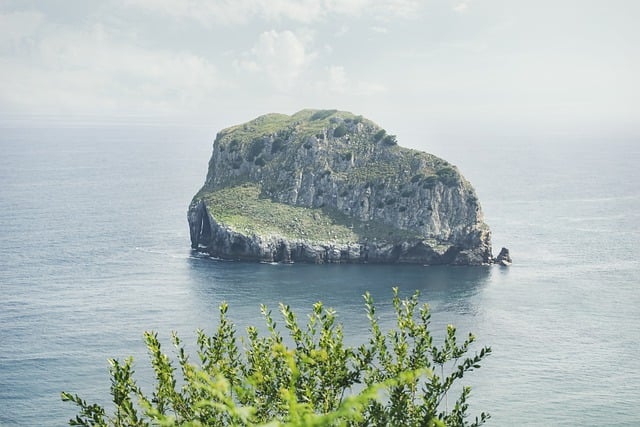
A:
<point x="94" y="250"/>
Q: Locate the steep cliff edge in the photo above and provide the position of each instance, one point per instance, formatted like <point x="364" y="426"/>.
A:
<point x="328" y="186"/>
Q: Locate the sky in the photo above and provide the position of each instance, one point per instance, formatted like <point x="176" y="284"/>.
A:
<point x="538" y="63"/>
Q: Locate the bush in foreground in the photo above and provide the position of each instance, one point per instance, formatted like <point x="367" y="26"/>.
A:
<point x="398" y="378"/>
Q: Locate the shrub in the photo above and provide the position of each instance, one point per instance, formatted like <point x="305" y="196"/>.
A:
<point x="234" y="145"/>
<point x="417" y="177"/>
<point x="379" y="135"/>
<point x="277" y="145"/>
<point x="430" y="181"/>
<point x="448" y="175"/>
<point x="340" y="130"/>
<point x="255" y="148"/>
<point x="390" y="140"/>
<point x="406" y="378"/>
<point x="322" y="114"/>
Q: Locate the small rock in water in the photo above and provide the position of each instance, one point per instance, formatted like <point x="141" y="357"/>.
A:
<point x="503" y="258"/>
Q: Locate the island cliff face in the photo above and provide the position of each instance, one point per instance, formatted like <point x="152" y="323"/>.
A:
<point x="325" y="186"/>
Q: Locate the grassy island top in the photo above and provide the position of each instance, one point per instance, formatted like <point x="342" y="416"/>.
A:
<point x="305" y="123"/>
<point x="270" y="142"/>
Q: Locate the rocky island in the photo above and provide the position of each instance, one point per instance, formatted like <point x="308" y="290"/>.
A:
<point x="327" y="186"/>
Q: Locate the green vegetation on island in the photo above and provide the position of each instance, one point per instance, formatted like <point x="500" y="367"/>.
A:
<point x="245" y="210"/>
<point x="245" y="206"/>
<point x="303" y="123"/>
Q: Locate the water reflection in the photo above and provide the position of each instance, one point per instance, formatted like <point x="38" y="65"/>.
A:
<point x="450" y="291"/>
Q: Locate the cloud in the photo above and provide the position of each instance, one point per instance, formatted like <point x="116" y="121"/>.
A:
<point x="381" y="30"/>
<point x="205" y="12"/>
<point x="401" y="8"/>
<point x="337" y="78"/>
<point x="80" y="69"/>
<point x="281" y="56"/>
<point x="462" y="6"/>
<point x="304" y="11"/>
<point x="337" y="82"/>
<point x="208" y="12"/>
<point x="346" y="7"/>
<point x="343" y="30"/>
<point x="19" y="26"/>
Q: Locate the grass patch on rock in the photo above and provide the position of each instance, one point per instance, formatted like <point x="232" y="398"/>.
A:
<point x="245" y="210"/>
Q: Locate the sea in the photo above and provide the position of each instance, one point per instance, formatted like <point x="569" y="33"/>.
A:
<point x="94" y="251"/>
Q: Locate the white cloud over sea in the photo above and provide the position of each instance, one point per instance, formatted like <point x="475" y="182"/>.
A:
<point x="281" y="56"/>
<point x="446" y="60"/>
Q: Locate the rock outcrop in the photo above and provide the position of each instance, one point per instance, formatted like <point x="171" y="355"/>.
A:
<point x="503" y="258"/>
<point x="324" y="186"/>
